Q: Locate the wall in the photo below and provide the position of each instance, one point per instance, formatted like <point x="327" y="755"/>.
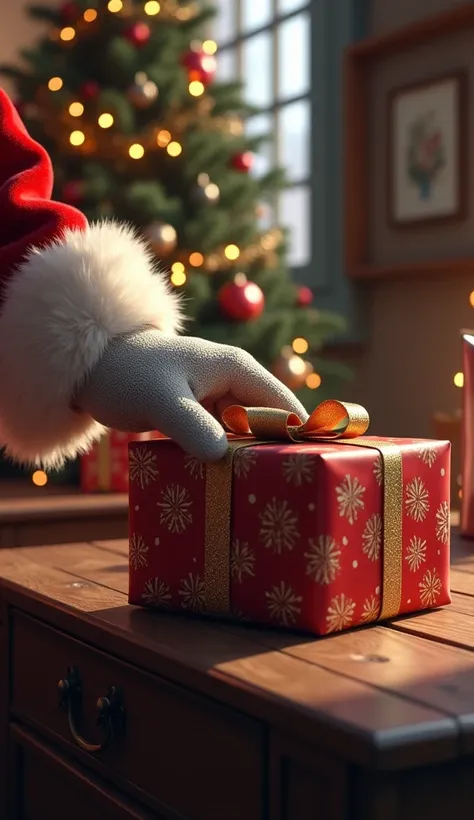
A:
<point x="17" y="30"/>
<point x="413" y="325"/>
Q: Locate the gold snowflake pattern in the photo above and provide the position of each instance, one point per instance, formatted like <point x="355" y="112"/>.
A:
<point x="378" y="471"/>
<point x="143" y="469"/>
<point x="194" y="467"/>
<point x="175" y="508"/>
<point x="430" y="588"/>
<point x="349" y="497"/>
<point x="297" y="469"/>
<point x="340" y="613"/>
<point x="370" y="610"/>
<point x="244" y="460"/>
<point x="283" y="604"/>
<point x="323" y="559"/>
<point x="278" y="529"/>
<point x="416" y="553"/>
<point x="242" y="560"/>
<point x="443" y="521"/>
<point x="417" y="500"/>
<point x="156" y="594"/>
<point x="138" y="552"/>
<point x="372" y="537"/>
<point x="428" y="455"/>
<point x="192" y="593"/>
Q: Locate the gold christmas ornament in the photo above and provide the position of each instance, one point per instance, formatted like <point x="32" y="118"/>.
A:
<point x="291" y="369"/>
<point x="142" y="94"/>
<point x="162" y="238"/>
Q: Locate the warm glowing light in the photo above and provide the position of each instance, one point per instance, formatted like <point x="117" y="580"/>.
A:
<point x="297" y="365"/>
<point x="152" y="7"/>
<point x="203" y="180"/>
<point x="471" y="298"/>
<point x="313" y="381"/>
<point x="174" y="149"/>
<point x="178" y="279"/>
<point x="136" y="150"/>
<point x="300" y="345"/>
<point x="212" y="191"/>
<point x="67" y="33"/>
<point x="90" y="15"/>
<point x="163" y="138"/>
<point x="196" y="260"/>
<point x="177" y="267"/>
<point x="55" y="84"/>
<point x="76" y="109"/>
<point x="459" y="379"/>
<point x="196" y="88"/>
<point x="231" y="252"/>
<point x="459" y="493"/>
<point x="77" y="138"/>
<point x="209" y="47"/>
<point x="105" y="120"/>
<point x="115" y="5"/>
<point x="39" y="478"/>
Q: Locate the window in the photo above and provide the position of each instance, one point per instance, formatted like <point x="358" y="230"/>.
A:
<point x="289" y="55"/>
<point x="267" y="44"/>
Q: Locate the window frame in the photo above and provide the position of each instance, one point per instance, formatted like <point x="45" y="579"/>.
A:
<point x="334" y="24"/>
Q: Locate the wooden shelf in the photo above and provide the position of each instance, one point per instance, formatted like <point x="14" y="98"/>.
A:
<point x="31" y="516"/>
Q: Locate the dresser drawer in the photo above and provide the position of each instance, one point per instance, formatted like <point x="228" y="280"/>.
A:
<point x="44" y="786"/>
<point x="187" y="753"/>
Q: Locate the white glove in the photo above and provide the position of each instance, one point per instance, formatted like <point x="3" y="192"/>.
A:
<point x="178" y="385"/>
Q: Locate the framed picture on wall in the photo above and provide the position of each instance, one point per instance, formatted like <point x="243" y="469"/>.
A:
<point x="426" y="151"/>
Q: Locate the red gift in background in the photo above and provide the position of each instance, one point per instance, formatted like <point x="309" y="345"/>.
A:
<point x="105" y="467"/>
<point x="317" y="535"/>
<point x="467" y="438"/>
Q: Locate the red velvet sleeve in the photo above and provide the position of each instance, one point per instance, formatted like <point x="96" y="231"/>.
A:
<point x="28" y="216"/>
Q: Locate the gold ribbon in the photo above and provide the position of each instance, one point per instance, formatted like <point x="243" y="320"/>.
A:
<point x="103" y="455"/>
<point x="336" y="421"/>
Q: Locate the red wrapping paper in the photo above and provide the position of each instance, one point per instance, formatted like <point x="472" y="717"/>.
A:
<point x="105" y="467"/>
<point x="306" y="532"/>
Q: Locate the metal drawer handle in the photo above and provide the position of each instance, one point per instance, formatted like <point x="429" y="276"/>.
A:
<point x="110" y="710"/>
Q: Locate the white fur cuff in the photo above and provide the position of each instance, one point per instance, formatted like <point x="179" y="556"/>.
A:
<point x="61" y="308"/>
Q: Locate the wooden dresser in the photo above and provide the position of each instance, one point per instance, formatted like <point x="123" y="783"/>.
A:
<point x="215" y="722"/>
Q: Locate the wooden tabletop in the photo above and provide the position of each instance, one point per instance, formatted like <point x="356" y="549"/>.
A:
<point x="389" y="696"/>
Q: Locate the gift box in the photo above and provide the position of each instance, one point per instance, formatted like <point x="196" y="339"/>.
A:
<point x="105" y="467"/>
<point x="315" y="527"/>
<point x="467" y="438"/>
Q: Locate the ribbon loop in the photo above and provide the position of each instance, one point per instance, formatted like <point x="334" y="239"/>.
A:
<point x="330" y="420"/>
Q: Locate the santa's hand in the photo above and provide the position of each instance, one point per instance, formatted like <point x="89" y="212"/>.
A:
<point x="147" y="381"/>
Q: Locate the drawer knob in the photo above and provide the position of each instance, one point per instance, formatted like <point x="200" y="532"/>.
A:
<point x="110" y="710"/>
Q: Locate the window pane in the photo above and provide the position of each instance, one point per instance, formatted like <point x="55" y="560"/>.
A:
<point x="225" y="21"/>
<point x="256" y="126"/>
<point x="257" y="69"/>
<point x="265" y="216"/>
<point x="285" y="6"/>
<point x="294" y="56"/>
<point x="256" y="13"/>
<point x="294" y="141"/>
<point x="226" y="65"/>
<point x="295" y="215"/>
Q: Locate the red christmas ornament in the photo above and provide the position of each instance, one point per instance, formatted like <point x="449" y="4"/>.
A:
<point x="200" y="66"/>
<point x="89" y="90"/>
<point x="241" y="300"/>
<point x="242" y="162"/>
<point x="69" y="12"/>
<point x="138" y="34"/>
<point x="304" y="296"/>
<point x="72" y="192"/>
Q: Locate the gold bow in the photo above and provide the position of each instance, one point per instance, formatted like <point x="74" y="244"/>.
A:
<point x="330" y="420"/>
<point x="336" y="421"/>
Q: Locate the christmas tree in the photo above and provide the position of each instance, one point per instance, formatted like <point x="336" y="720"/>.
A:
<point x="124" y="96"/>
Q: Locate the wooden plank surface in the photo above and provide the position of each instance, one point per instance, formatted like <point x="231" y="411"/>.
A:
<point x="361" y="719"/>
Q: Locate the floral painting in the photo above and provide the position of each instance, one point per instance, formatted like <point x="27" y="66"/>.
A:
<point x="425" y="137"/>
